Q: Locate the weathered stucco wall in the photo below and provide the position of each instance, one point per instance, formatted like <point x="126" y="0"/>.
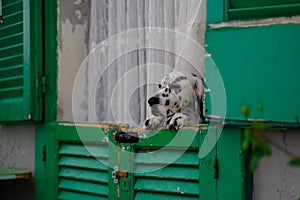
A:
<point x="17" y="146"/>
<point x="275" y="179"/>
<point x="73" y="19"/>
<point x="17" y="150"/>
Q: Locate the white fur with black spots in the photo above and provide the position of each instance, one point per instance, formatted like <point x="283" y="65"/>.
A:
<point x="178" y="102"/>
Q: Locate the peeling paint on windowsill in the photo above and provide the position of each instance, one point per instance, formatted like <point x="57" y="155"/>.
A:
<point x="127" y="128"/>
<point x="263" y="22"/>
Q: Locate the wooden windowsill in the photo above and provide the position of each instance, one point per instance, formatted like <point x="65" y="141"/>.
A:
<point x="7" y="174"/>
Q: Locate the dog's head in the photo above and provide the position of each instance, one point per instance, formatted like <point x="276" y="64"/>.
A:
<point x="176" y="91"/>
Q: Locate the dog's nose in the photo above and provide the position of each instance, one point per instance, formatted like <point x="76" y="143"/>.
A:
<point x="153" y="100"/>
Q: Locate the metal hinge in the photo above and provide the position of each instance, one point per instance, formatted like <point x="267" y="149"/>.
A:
<point x="117" y="174"/>
<point x="43" y="84"/>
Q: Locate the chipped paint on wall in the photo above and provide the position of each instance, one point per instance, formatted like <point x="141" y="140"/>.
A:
<point x="73" y="26"/>
<point x="77" y="12"/>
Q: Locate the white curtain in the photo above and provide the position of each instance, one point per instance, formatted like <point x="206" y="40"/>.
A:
<point x="132" y="44"/>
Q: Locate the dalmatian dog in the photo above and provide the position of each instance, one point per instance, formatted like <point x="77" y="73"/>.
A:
<point x="178" y="102"/>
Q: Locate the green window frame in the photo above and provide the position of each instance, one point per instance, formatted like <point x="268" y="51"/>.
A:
<point x="226" y="10"/>
<point x="245" y="9"/>
<point x="21" y="61"/>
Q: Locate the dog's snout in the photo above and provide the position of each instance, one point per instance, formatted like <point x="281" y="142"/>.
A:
<point x="153" y="100"/>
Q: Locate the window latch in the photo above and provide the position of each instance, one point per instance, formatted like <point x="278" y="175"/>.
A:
<point x="117" y="174"/>
<point x="123" y="137"/>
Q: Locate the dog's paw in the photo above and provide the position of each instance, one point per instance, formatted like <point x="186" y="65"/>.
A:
<point x="176" y="122"/>
<point x="154" y="122"/>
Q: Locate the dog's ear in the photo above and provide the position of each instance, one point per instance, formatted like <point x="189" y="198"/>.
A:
<point x="199" y="90"/>
<point x="198" y="86"/>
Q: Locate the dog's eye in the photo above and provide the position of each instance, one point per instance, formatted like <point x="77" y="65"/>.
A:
<point x="159" y="86"/>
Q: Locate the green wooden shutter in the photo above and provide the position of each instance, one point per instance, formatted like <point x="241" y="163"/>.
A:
<point x="71" y="166"/>
<point x="20" y="60"/>
<point x="242" y="9"/>
<point x="81" y="174"/>
<point x="177" y="180"/>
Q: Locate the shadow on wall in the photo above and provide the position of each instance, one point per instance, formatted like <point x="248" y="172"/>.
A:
<point x="17" y="190"/>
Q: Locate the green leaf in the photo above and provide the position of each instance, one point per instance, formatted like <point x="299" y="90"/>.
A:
<point x="264" y="148"/>
<point x="254" y="162"/>
<point x="260" y="107"/>
<point x="245" y="111"/>
<point x="247" y="139"/>
<point x="260" y="150"/>
<point x="295" y="162"/>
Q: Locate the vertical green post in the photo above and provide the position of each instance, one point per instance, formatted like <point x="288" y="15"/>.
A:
<point x="125" y="189"/>
<point x="41" y="139"/>
<point x="46" y="162"/>
<point x="50" y="58"/>
<point x="112" y="161"/>
<point x="52" y="161"/>
<point x="120" y="156"/>
<point x="36" y="57"/>
<point x="232" y="184"/>
<point x="207" y="173"/>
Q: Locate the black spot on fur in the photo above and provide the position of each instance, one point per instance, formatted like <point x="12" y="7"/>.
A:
<point x="159" y="85"/>
<point x="167" y="102"/>
<point x="180" y="78"/>
<point x="201" y="108"/>
<point x="169" y="119"/>
<point x="175" y="122"/>
<point x="179" y="98"/>
<point x="167" y="90"/>
<point x="165" y="95"/>
<point x="168" y="112"/>
<point x="172" y="128"/>
<point x="147" y="122"/>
